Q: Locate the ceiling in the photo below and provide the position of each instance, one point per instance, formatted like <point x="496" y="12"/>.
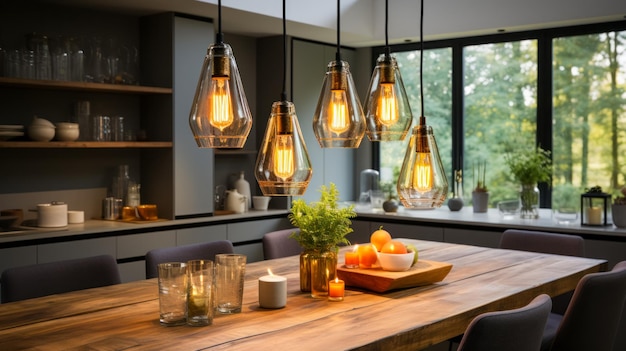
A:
<point x="362" y="21"/>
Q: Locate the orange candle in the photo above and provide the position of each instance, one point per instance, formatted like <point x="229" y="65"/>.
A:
<point x="352" y="258"/>
<point x="336" y="289"/>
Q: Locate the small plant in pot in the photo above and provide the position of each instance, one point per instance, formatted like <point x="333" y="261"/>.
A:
<point x="528" y="168"/>
<point x="323" y="227"/>
<point x="618" y="209"/>
<point x="480" y="194"/>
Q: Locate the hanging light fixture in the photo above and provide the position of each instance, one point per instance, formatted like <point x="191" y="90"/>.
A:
<point x="387" y="110"/>
<point x="283" y="167"/>
<point x="422" y="183"/>
<point x="339" y="120"/>
<point x="220" y="116"/>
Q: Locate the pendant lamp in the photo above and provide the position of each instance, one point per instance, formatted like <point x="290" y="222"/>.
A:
<point x="422" y="183"/>
<point x="283" y="167"/>
<point x="339" y="120"/>
<point x="387" y="110"/>
<point x="220" y="116"/>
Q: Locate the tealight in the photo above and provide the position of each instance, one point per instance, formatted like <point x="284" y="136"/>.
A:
<point x="336" y="289"/>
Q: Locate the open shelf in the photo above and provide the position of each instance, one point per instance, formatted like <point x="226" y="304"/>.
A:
<point x="84" y="144"/>
<point x="82" y="86"/>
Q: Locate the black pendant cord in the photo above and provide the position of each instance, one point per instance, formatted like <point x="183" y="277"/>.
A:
<point x="283" y="95"/>
<point x="387" y="48"/>
<point x="338" y="54"/>
<point x="422" y="118"/>
<point x="220" y="35"/>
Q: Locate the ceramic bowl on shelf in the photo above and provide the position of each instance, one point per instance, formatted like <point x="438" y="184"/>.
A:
<point x="66" y="131"/>
<point x="41" y="129"/>
<point x="396" y="262"/>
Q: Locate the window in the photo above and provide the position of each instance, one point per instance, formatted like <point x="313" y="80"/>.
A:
<point x="563" y="89"/>
<point x="589" y="122"/>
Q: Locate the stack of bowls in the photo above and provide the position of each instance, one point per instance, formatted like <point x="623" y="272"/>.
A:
<point x="41" y="130"/>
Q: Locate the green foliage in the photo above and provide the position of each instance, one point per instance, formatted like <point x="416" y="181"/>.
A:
<point x="530" y="166"/>
<point x="323" y="225"/>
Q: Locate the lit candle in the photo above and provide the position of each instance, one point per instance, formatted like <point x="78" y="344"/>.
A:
<point x="352" y="258"/>
<point x="594" y="215"/>
<point x="336" y="290"/>
<point x="272" y="291"/>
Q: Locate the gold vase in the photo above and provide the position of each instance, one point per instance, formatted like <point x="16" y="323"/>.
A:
<point x="323" y="268"/>
<point x="305" y="270"/>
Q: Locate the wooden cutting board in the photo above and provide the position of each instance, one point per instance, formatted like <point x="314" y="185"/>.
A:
<point x="422" y="273"/>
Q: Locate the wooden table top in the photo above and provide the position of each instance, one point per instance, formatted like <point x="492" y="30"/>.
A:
<point x="126" y="316"/>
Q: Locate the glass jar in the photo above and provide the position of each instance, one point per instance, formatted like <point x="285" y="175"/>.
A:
<point x="323" y="269"/>
<point x="529" y="201"/>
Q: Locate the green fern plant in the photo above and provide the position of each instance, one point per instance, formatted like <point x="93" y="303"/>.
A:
<point x="323" y="225"/>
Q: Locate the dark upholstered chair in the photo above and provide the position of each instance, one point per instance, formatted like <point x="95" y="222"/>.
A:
<point x="543" y="242"/>
<point x="184" y="253"/>
<point x="593" y="316"/>
<point x="620" y="338"/>
<point x="279" y="244"/>
<point x="27" y="282"/>
<point x="512" y="330"/>
<point x="550" y="243"/>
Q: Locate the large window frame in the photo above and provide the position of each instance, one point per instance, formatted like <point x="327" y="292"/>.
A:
<point x="544" y="38"/>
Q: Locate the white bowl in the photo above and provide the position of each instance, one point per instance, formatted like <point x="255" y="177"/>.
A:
<point x="40" y="133"/>
<point x="396" y="262"/>
<point x="67" y="131"/>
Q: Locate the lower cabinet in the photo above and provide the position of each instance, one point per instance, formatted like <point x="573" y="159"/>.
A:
<point x="472" y="237"/>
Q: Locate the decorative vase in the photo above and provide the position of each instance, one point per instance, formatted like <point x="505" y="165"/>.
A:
<point x="529" y="201"/>
<point x="480" y="201"/>
<point x="323" y="269"/>
<point x="305" y="270"/>
<point x="456" y="202"/>
<point x="618" y="212"/>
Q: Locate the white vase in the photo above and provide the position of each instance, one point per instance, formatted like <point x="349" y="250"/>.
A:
<point x="243" y="187"/>
<point x="618" y="212"/>
<point x="480" y="201"/>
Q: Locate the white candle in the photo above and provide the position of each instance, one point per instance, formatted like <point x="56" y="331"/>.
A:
<point x="272" y="291"/>
<point x="594" y="215"/>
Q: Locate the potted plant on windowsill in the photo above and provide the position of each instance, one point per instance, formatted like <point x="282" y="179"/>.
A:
<point x="480" y="194"/>
<point x="618" y="209"/>
<point x="323" y="227"/>
<point x="528" y="168"/>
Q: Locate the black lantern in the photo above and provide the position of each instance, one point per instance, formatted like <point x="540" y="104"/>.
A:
<point x="593" y="207"/>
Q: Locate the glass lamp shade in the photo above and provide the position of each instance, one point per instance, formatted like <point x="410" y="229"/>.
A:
<point x="283" y="167"/>
<point x="339" y="120"/>
<point x="422" y="183"/>
<point x="220" y="116"/>
<point x="387" y="110"/>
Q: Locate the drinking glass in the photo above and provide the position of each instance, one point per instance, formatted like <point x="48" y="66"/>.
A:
<point x="200" y="295"/>
<point x="231" y="269"/>
<point x="173" y="285"/>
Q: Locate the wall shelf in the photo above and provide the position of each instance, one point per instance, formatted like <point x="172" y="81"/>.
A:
<point x="84" y="144"/>
<point x="82" y="86"/>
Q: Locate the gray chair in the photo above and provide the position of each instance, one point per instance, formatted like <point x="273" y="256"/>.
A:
<point x="27" y="282"/>
<point x="593" y="316"/>
<point x="184" y="253"/>
<point x="279" y="244"/>
<point x="550" y="243"/>
<point x="512" y="330"/>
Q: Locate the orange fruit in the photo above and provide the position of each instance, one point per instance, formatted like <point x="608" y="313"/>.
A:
<point x="379" y="238"/>
<point x="367" y="255"/>
<point x="394" y="247"/>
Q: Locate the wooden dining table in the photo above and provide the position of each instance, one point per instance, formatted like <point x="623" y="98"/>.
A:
<point x="126" y="316"/>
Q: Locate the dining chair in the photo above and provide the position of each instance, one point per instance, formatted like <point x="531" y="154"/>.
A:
<point x="279" y="244"/>
<point x="184" y="253"/>
<point x="593" y="316"/>
<point x="519" y="329"/>
<point x="620" y="338"/>
<point x="545" y="242"/>
<point x="27" y="282"/>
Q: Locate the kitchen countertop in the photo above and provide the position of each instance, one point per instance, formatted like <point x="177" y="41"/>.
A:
<point x="491" y="219"/>
<point x="95" y="227"/>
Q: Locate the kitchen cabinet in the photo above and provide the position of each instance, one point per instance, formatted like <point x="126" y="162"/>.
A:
<point x="173" y="172"/>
